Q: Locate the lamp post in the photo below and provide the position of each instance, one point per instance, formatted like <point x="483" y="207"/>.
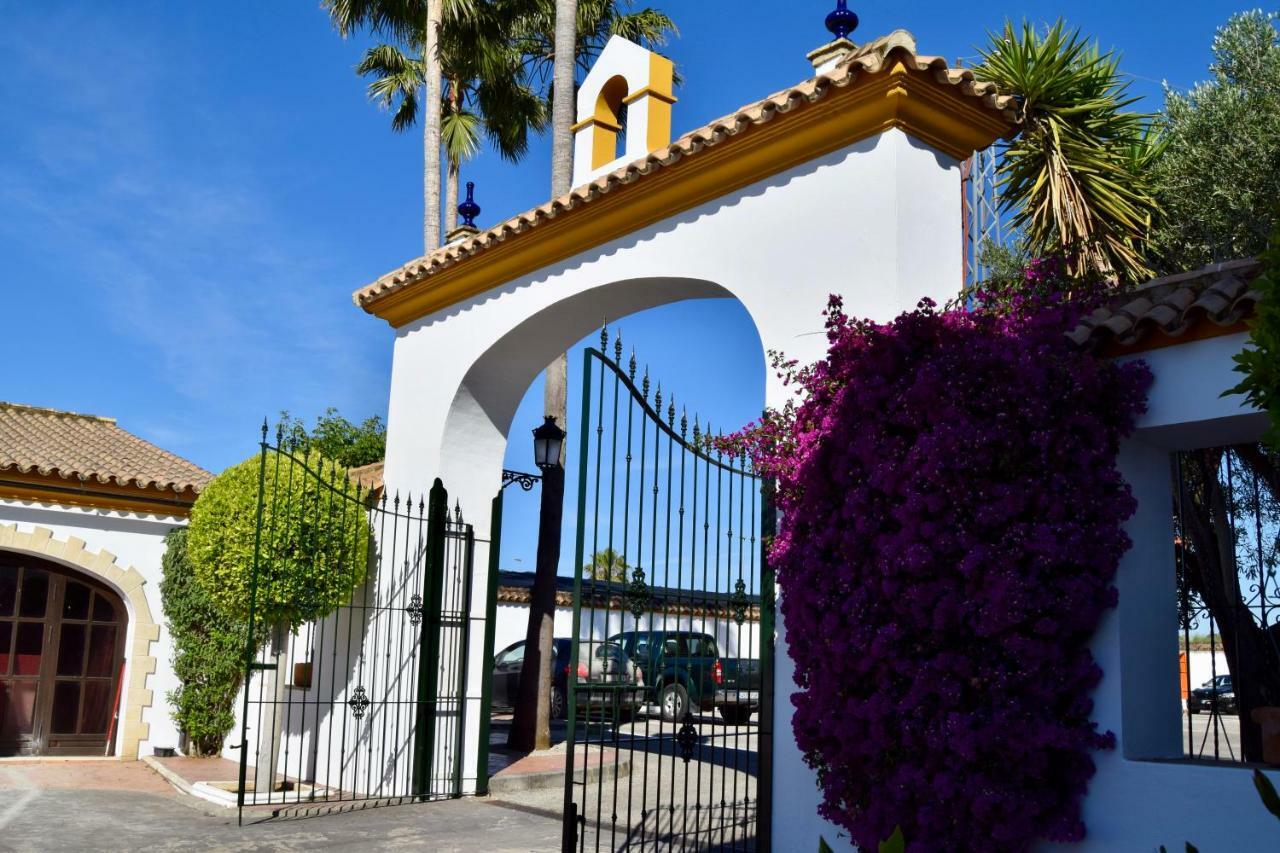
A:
<point x="531" y="726"/>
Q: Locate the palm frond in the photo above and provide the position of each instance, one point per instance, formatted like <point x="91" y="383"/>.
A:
<point x="1073" y="178"/>
<point x="396" y="80"/>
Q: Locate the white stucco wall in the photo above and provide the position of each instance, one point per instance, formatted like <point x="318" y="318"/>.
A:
<point x="877" y="221"/>
<point x="137" y="541"/>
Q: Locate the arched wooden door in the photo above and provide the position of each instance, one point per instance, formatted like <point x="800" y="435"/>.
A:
<point x="61" y="657"/>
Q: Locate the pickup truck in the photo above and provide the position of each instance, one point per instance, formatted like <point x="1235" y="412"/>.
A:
<point x="684" y="670"/>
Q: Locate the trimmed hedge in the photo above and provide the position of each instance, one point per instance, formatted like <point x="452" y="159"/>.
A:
<point x="315" y="539"/>
<point x="208" y="652"/>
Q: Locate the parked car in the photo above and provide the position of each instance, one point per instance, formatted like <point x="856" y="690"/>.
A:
<point x="1215" y="695"/>
<point x="683" y="670"/>
<point x="607" y="682"/>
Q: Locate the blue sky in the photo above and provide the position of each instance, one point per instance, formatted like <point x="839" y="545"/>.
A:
<point x="189" y="192"/>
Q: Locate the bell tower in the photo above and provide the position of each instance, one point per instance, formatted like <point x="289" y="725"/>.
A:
<point x="624" y="109"/>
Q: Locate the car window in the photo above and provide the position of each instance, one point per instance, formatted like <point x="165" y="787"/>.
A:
<point x="642" y="648"/>
<point x="512" y="655"/>
<point x="674" y="646"/>
<point x="707" y="648"/>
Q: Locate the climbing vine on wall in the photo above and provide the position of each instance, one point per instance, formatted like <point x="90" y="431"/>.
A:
<point x="951" y="526"/>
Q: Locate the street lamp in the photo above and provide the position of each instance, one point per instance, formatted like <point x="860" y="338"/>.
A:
<point x="548" y="439"/>
<point x="531" y="724"/>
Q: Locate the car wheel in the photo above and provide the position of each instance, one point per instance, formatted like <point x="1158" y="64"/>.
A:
<point x="559" y="704"/>
<point x="736" y="715"/>
<point x="673" y="702"/>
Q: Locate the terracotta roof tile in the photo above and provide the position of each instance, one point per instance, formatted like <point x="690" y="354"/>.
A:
<point x="1219" y="294"/>
<point x="870" y="58"/>
<point x="86" y="447"/>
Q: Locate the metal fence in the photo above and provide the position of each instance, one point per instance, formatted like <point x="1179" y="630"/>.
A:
<point x="367" y="701"/>
<point x="672" y="747"/>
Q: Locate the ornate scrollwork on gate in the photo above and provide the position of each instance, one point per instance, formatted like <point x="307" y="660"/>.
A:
<point x="637" y="593"/>
<point x="687" y="738"/>
<point x="739" y="601"/>
<point x="359" y="702"/>
<point x="415" y="610"/>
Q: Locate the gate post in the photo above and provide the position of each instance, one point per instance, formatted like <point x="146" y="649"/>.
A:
<point x="429" y="642"/>
<point x="250" y="650"/>
<point x="490" y="628"/>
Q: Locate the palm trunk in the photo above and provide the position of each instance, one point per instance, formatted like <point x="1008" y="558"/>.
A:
<point x="530" y="728"/>
<point x="562" y="106"/>
<point x="455" y="168"/>
<point x="431" y="131"/>
<point x="451" y="197"/>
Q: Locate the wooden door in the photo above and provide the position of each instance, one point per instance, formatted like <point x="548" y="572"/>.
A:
<point x="61" y="658"/>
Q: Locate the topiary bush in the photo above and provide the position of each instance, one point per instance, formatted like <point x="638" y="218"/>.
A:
<point x="315" y="539"/>
<point x="951" y="522"/>
<point x="208" y="652"/>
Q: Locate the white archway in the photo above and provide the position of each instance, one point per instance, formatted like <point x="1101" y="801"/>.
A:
<point x="143" y="629"/>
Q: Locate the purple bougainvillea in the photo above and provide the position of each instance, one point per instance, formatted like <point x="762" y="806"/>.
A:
<point x="951" y="523"/>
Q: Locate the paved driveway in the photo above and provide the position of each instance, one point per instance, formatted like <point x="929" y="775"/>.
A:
<point x="109" y="805"/>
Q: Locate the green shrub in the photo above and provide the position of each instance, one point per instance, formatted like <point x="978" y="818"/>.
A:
<point x="1260" y="363"/>
<point x="208" y="652"/>
<point x="315" y="539"/>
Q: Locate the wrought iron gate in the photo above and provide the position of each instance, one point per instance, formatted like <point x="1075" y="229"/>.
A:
<point x="369" y="701"/>
<point x="670" y="686"/>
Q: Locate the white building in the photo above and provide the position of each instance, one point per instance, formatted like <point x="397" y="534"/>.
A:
<point x="85" y="659"/>
<point x="849" y="181"/>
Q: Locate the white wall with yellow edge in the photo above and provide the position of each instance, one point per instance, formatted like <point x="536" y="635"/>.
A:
<point x="624" y="109"/>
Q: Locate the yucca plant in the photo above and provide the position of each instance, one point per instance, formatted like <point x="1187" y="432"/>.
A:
<point x="1074" y="177"/>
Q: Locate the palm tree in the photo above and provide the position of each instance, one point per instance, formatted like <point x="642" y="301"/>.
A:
<point x="607" y="565"/>
<point x="563" y="89"/>
<point x="409" y="22"/>
<point x="1075" y="176"/>
<point x="485" y="99"/>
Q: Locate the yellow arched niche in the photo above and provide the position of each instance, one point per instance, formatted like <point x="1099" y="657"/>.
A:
<point x="102" y="564"/>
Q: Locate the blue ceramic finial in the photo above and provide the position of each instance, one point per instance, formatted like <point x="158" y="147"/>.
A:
<point x="841" y="22"/>
<point x="469" y="210"/>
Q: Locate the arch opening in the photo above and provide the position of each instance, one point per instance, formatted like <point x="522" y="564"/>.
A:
<point x="62" y="641"/>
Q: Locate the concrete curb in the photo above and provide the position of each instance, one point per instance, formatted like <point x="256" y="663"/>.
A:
<point x="510" y="783"/>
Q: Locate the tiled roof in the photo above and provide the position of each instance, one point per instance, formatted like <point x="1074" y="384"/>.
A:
<point x="871" y="58"/>
<point x="368" y="477"/>
<point x="1216" y="297"/>
<point x="89" y="448"/>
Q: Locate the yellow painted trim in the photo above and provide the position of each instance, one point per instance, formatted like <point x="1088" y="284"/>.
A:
<point x="607" y="121"/>
<point x="134" y="696"/>
<point x="92" y="495"/>
<point x="912" y="101"/>
<point x="648" y="92"/>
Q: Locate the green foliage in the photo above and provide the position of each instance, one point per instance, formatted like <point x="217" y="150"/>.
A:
<point x="895" y="843"/>
<point x="1073" y="176"/>
<point x="338" y="439"/>
<point x="1260" y="362"/>
<point x="1267" y="791"/>
<point x="607" y="565"/>
<point x="208" y="652"/>
<point x="315" y="538"/>
<point x="1218" y="177"/>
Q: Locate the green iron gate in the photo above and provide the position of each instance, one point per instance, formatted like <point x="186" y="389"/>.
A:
<point x="670" y="686"/>
<point x="366" y="701"/>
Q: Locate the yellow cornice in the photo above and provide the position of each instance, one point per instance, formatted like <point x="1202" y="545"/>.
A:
<point x="56" y="490"/>
<point x="665" y="97"/>
<point x="913" y="101"/>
